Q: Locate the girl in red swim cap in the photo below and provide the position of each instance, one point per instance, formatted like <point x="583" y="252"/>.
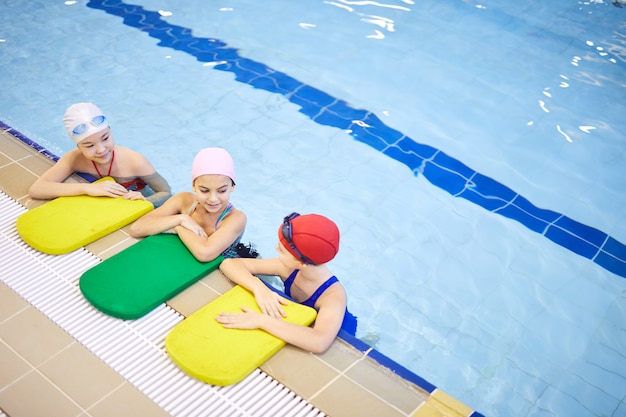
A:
<point x="305" y="244"/>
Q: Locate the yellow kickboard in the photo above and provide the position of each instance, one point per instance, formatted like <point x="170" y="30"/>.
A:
<point x="65" y="224"/>
<point x="204" y="349"/>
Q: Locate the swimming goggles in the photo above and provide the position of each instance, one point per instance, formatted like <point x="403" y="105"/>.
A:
<point x="96" y="121"/>
<point x="287" y="234"/>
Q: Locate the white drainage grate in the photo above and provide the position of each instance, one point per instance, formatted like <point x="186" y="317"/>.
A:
<point x="134" y="349"/>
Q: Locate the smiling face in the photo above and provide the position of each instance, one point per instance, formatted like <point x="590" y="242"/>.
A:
<point x="98" y="147"/>
<point x="213" y="192"/>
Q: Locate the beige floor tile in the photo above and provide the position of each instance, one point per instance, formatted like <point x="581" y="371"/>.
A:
<point x="192" y="299"/>
<point x="34" y="336"/>
<point x="36" y="163"/>
<point x="14" y="148"/>
<point x="15" y="180"/>
<point x="11" y="302"/>
<point x="34" y="396"/>
<point x="105" y="253"/>
<point x="344" y="398"/>
<point x="387" y="385"/>
<point x="4" y="160"/>
<point x="217" y="281"/>
<point x="301" y="371"/>
<point x="29" y="203"/>
<point x="81" y="375"/>
<point x="126" y="230"/>
<point x="109" y="245"/>
<point x="341" y="355"/>
<point x="126" y="401"/>
<point x="12" y="365"/>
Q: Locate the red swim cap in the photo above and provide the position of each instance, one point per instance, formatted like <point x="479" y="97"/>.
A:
<point x="315" y="237"/>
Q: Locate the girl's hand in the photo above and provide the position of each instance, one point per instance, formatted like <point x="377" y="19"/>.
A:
<point x="270" y="303"/>
<point x="134" y="195"/>
<point x="106" y="189"/>
<point x="188" y="223"/>
<point x="248" y="319"/>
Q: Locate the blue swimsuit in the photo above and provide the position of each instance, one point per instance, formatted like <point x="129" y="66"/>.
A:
<point x="349" y="320"/>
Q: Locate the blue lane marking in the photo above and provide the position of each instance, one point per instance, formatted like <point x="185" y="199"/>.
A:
<point x="440" y="169"/>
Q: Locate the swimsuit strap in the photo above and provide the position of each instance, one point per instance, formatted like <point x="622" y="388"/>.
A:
<point x="310" y="302"/>
<point x="319" y="291"/>
<point x="289" y="281"/>
<point x="110" y="165"/>
<point x="221" y="216"/>
<point x="224" y="214"/>
<point x="192" y="208"/>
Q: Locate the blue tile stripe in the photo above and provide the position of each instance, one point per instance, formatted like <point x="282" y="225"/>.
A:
<point x="388" y="363"/>
<point x="27" y="141"/>
<point x="440" y="169"/>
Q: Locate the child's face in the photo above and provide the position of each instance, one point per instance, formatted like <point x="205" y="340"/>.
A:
<point x="213" y="192"/>
<point x="286" y="257"/>
<point x="98" y="147"/>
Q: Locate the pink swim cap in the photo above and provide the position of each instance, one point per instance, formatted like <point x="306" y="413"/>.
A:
<point x="213" y="161"/>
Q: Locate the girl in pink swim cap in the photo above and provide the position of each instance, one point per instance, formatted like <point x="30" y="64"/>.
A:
<point x="205" y="220"/>
<point x="97" y="154"/>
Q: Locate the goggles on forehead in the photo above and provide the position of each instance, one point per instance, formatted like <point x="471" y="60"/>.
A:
<point x="96" y="121"/>
<point x="286" y="231"/>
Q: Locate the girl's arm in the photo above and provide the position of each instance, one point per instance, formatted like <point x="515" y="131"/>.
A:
<point x="206" y="249"/>
<point x="51" y="183"/>
<point x="162" y="190"/>
<point x="316" y="339"/>
<point x="241" y="271"/>
<point x="140" y="167"/>
<point x="165" y="218"/>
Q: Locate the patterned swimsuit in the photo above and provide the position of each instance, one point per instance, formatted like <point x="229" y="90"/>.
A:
<point x="231" y="251"/>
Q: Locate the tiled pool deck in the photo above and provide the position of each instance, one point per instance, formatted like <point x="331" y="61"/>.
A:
<point x="46" y="371"/>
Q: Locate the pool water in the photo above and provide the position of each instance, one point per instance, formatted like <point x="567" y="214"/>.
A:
<point x="461" y="147"/>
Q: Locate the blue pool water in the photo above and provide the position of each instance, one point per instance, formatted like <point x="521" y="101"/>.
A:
<point x="472" y="154"/>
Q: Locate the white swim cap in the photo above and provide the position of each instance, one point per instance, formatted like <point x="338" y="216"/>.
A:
<point x="82" y="120"/>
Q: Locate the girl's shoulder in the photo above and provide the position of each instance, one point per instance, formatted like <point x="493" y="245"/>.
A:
<point x="237" y="213"/>
<point x="71" y="155"/>
<point x="125" y="150"/>
<point x="267" y="266"/>
<point x="74" y="160"/>
<point x="185" y="197"/>
<point x="130" y="156"/>
<point x="180" y="202"/>
<point x="332" y="295"/>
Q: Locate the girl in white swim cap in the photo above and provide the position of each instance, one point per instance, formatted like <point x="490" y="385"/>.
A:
<point x="97" y="155"/>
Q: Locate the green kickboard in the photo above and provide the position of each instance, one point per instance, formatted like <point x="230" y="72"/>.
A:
<point x="65" y="224"/>
<point x="136" y="280"/>
<point x="204" y="349"/>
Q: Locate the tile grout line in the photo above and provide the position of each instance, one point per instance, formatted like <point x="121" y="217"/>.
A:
<point x="364" y="356"/>
<point x="35" y="369"/>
